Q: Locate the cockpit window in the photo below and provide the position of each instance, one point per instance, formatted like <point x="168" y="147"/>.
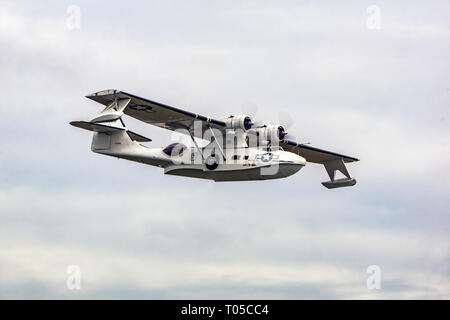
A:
<point x="174" y="149"/>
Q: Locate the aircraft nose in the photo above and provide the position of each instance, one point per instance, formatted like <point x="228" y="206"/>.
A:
<point x="298" y="160"/>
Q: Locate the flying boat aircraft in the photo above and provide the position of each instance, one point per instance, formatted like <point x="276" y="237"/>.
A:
<point x="236" y="149"/>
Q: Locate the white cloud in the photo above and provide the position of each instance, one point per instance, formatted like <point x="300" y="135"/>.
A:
<point x="139" y="243"/>
<point x="380" y="97"/>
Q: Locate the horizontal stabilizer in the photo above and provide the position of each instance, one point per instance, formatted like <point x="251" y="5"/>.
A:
<point x="137" y="137"/>
<point x="103" y="128"/>
<point x="97" y="127"/>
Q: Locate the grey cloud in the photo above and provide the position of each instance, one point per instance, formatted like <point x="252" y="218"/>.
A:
<point x="381" y="96"/>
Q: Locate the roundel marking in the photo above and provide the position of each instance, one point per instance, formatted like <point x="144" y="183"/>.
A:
<point x="266" y="157"/>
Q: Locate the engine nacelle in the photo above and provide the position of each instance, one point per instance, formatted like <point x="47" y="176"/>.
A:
<point x="242" y="122"/>
<point x="271" y="134"/>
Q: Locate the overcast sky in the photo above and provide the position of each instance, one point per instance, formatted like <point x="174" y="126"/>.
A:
<point x="379" y="92"/>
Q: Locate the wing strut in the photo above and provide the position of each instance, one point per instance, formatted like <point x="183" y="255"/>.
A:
<point x="196" y="145"/>
<point x="218" y="144"/>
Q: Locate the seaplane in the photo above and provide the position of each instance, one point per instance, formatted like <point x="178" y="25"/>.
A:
<point x="234" y="148"/>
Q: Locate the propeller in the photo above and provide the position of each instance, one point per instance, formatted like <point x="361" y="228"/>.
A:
<point x="286" y="121"/>
<point x="250" y="109"/>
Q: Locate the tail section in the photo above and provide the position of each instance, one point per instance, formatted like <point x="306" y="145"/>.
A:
<point x="111" y="136"/>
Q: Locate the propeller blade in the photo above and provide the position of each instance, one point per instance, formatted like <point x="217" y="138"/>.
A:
<point x="285" y="119"/>
<point x="291" y="137"/>
<point x="249" y="108"/>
